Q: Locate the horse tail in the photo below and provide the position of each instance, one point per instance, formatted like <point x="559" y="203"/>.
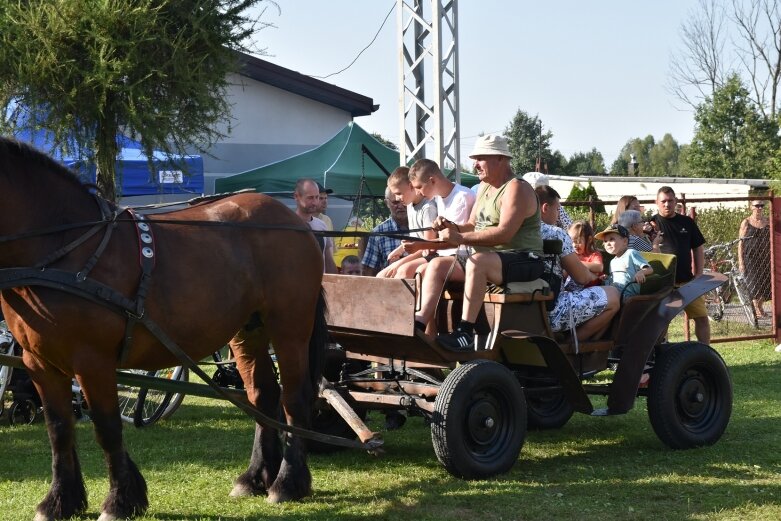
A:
<point x="318" y="342"/>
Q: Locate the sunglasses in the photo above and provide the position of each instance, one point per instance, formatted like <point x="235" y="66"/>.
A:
<point x="758" y="205"/>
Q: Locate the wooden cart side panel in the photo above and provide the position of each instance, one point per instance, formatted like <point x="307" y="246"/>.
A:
<point x="371" y="304"/>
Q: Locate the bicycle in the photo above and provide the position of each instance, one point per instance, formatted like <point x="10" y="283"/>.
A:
<point x="721" y="258"/>
<point x="7" y="345"/>
<point x="141" y="407"/>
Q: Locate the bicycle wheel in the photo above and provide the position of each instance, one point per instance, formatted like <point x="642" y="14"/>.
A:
<point x="128" y="396"/>
<point x="152" y="404"/>
<point x="714" y="302"/>
<point x="7" y="344"/>
<point x="745" y="301"/>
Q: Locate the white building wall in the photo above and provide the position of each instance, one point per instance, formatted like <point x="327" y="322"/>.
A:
<point x="269" y="124"/>
<point x="644" y="188"/>
<point x="268" y="115"/>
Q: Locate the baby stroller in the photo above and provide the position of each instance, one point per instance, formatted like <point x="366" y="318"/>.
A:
<point x="25" y="404"/>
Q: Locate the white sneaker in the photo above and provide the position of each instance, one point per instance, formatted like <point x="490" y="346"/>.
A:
<point x="778" y="348"/>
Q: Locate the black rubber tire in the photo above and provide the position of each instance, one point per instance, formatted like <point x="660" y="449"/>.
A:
<point x="22" y="412"/>
<point x="479" y="422"/>
<point x="551" y="411"/>
<point x="689" y="396"/>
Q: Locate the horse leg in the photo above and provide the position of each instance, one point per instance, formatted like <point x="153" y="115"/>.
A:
<point x="67" y="496"/>
<point x="250" y="349"/>
<point x="127" y="496"/>
<point x="294" y="480"/>
<point x="300" y="354"/>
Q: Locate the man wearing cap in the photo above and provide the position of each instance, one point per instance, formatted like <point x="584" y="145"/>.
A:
<point x="504" y="230"/>
<point x="324" y="206"/>
<point x="587" y="311"/>
<point x="307" y="200"/>
<point x="628" y="268"/>
<point x="683" y="238"/>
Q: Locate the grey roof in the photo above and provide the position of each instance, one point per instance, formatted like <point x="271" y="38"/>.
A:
<point x="297" y="83"/>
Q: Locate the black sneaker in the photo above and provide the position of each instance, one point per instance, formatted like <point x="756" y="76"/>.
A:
<point x="458" y="340"/>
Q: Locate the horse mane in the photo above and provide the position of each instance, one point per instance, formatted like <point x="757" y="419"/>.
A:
<point x="18" y="150"/>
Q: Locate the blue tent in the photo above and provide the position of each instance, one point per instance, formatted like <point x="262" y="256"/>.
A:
<point x="168" y="176"/>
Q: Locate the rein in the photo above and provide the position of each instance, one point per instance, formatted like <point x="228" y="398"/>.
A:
<point x="96" y="225"/>
<point x="106" y="296"/>
<point x="80" y="285"/>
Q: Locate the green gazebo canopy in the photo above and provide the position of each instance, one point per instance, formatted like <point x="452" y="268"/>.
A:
<point x="339" y="164"/>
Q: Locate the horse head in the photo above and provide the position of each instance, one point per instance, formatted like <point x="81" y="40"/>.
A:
<point x="39" y="194"/>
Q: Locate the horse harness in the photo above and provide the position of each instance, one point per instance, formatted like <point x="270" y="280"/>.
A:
<point x="81" y="285"/>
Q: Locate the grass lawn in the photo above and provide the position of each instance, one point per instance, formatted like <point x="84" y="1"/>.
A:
<point x="593" y="468"/>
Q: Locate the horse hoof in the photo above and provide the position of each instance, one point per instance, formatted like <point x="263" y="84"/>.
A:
<point x="42" y="517"/>
<point x="277" y="497"/>
<point x="240" y="490"/>
<point x="105" y="516"/>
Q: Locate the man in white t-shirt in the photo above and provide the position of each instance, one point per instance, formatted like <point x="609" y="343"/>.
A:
<point x="454" y="205"/>
<point x="307" y="197"/>
<point x="454" y="201"/>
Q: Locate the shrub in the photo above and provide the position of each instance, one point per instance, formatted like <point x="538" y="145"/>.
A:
<point x="720" y="224"/>
<point x="579" y="193"/>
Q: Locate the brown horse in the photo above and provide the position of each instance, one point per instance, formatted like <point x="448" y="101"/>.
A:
<point x="251" y="266"/>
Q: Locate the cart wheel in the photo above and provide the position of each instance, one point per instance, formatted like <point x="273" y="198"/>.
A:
<point x="479" y="421"/>
<point x="689" y="396"/>
<point x="22" y="412"/>
<point x="549" y="411"/>
<point x="153" y="405"/>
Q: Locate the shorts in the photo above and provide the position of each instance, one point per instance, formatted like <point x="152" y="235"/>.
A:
<point x="696" y="308"/>
<point x="575" y="307"/>
<point x="517" y="266"/>
<point x="520" y="266"/>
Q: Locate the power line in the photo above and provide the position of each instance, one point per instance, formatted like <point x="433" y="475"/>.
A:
<point x="362" y="50"/>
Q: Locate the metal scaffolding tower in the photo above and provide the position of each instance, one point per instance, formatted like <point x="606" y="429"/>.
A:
<point x="429" y="114"/>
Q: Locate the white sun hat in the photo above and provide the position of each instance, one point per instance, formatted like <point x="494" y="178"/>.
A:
<point x="490" y="145"/>
<point x="536" y="179"/>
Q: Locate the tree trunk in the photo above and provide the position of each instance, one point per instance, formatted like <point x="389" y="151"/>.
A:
<point x="106" y="151"/>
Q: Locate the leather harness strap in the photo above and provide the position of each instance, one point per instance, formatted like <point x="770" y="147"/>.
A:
<point x="106" y="296"/>
<point x="80" y="285"/>
<point x="146" y="258"/>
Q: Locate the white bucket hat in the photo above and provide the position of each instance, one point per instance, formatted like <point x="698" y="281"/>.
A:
<point x="490" y="145"/>
<point x="536" y="179"/>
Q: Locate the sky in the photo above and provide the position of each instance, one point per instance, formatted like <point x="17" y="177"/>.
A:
<point x="595" y="72"/>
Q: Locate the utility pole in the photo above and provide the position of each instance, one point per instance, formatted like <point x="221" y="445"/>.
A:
<point x="428" y="122"/>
